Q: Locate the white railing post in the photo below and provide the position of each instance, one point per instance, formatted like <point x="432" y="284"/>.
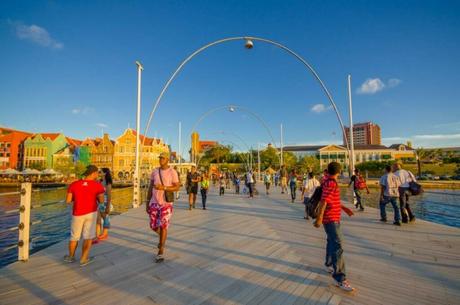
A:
<point x="24" y="222"/>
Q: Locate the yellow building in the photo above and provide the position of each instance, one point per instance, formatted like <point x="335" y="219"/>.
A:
<point x="195" y="150"/>
<point x="125" y="153"/>
<point x="101" y="150"/>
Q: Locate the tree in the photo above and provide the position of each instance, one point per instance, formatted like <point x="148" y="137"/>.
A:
<point x="308" y="163"/>
<point x="269" y="157"/>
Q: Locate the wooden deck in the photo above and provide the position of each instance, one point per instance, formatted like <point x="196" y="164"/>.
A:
<point x="243" y="251"/>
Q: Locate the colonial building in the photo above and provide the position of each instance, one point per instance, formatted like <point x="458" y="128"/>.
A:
<point x="39" y="149"/>
<point x="363" y="153"/>
<point x="12" y="148"/>
<point x="125" y="153"/>
<point x="101" y="151"/>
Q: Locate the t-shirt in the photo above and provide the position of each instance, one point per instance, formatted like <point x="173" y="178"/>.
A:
<point x="331" y="194"/>
<point x="391" y="183"/>
<point x="249" y="177"/>
<point x="84" y="194"/>
<point x="405" y="177"/>
<point x="191" y="177"/>
<point x="204" y="183"/>
<point x="310" y="186"/>
<point x="169" y="177"/>
<point x="267" y="178"/>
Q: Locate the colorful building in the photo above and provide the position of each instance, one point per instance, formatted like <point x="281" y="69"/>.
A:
<point x="100" y="151"/>
<point x="12" y="148"/>
<point x="40" y="148"/>
<point x="125" y="153"/>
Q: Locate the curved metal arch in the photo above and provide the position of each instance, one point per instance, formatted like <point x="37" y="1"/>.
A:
<point x="303" y="61"/>
<point x="255" y="115"/>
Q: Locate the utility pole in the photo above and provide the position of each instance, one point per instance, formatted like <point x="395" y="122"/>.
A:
<point x="136" y="182"/>
<point x="258" y="161"/>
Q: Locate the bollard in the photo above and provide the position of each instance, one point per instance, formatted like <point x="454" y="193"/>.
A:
<point x="24" y="222"/>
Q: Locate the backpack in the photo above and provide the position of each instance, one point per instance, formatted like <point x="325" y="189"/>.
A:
<point x="360" y="183"/>
<point x="313" y="204"/>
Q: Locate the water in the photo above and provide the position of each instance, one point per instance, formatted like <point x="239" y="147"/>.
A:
<point x="436" y="205"/>
<point x="55" y="217"/>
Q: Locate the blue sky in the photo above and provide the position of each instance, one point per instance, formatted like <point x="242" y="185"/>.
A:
<point x="69" y="66"/>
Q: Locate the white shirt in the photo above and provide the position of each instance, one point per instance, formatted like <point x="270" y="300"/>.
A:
<point x="391" y="184"/>
<point x="405" y="177"/>
<point x="310" y="186"/>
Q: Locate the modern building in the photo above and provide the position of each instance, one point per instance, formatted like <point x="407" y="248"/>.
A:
<point x="124" y="156"/>
<point x="12" y="148"/>
<point x="366" y="133"/>
<point x="363" y="153"/>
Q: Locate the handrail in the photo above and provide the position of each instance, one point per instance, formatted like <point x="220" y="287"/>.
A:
<point x="10" y="193"/>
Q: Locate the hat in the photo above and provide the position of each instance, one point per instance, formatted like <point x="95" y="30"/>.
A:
<point x="164" y="155"/>
<point x="90" y="169"/>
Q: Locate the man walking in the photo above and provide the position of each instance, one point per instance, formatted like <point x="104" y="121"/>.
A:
<point x="389" y="191"/>
<point x="309" y="187"/>
<point x="284" y="178"/>
<point x="192" y="186"/>
<point x="85" y="195"/>
<point x="405" y="178"/>
<point x="160" y="197"/>
<point x="329" y="215"/>
<point x="359" y="184"/>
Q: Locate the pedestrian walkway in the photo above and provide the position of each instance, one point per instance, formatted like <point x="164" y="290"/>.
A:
<point x="245" y="251"/>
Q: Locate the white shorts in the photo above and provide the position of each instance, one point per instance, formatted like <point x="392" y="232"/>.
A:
<point x="83" y="225"/>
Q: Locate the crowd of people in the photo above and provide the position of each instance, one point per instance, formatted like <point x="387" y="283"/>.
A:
<point x="91" y="198"/>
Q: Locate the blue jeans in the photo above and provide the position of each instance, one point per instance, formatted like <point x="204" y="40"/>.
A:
<point x="359" y="199"/>
<point x="383" y="204"/>
<point x="334" y="251"/>
<point x="293" y="187"/>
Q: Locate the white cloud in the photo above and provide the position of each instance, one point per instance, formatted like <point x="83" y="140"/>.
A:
<point x="393" y="82"/>
<point x="82" y="110"/>
<point x="371" y="86"/>
<point x="438" y="136"/>
<point x="36" y="34"/>
<point x="102" y="125"/>
<point x="426" y="140"/>
<point x="319" y="108"/>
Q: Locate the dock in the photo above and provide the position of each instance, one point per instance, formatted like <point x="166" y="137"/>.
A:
<point x="245" y="251"/>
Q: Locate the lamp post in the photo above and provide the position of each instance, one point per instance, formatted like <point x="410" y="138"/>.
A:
<point x="136" y="182"/>
<point x="249" y="44"/>
<point x="350" y="111"/>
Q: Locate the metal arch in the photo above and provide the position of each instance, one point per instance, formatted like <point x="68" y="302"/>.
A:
<point x="259" y="118"/>
<point x="315" y="74"/>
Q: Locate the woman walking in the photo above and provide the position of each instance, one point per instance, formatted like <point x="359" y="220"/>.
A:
<point x="204" y="186"/>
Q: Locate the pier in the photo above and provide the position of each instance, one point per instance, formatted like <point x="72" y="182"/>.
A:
<point x="245" y="251"/>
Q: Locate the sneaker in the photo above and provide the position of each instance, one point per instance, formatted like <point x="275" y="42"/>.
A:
<point x="159" y="258"/>
<point x="383" y="219"/>
<point x="397" y="223"/>
<point x="87" y="262"/>
<point x="344" y="285"/>
<point x="361" y="209"/>
<point x="329" y="269"/>
<point x="412" y="219"/>
<point x="69" y="259"/>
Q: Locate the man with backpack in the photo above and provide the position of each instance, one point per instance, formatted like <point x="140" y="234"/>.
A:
<point x="359" y="184"/>
<point x="329" y="212"/>
<point x="389" y="191"/>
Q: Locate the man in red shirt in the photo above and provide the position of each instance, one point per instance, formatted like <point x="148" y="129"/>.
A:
<point x="329" y="215"/>
<point x="85" y="195"/>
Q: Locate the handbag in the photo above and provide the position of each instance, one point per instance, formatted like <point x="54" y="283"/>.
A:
<point x="415" y="188"/>
<point x="169" y="196"/>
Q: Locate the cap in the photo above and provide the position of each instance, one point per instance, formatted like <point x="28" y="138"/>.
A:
<point x="164" y="155"/>
<point x="90" y="169"/>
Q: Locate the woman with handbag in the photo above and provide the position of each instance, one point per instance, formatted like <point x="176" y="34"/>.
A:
<point x="160" y="197"/>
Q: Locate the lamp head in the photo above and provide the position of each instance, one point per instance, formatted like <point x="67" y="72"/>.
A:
<point x="231" y="109"/>
<point x="249" y="44"/>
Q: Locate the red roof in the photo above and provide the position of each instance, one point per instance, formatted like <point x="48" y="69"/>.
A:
<point x="51" y="136"/>
<point x="14" y="135"/>
<point x="148" y="141"/>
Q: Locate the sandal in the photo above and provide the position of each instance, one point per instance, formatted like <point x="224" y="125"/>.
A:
<point x="87" y="262"/>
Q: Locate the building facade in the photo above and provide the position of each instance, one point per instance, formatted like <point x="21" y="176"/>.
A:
<point x="12" y="149"/>
<point x="124" y="155"/>
<point x="40" y="148"/>
<point x="366" y="133"/>
<point x="101" y="151"/>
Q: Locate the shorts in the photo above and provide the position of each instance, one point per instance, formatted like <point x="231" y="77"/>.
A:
<point x="193" y="190"/>
<point x="284" y="181"/>
<point x="160" y="215"/>
<point x="83" y="225"/>
<point x="106" y="219"/>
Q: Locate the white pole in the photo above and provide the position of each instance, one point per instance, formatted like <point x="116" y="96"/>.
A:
<point x="258" y="160"/>
<point x="180" y="144"/>
<point x="24" y="221"/>
<point x="352" y="148"/>
<point x="136" y="182"/>
<point x="281" y="145"/>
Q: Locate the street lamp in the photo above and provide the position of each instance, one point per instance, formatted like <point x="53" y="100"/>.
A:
<point x="136" y="182"/>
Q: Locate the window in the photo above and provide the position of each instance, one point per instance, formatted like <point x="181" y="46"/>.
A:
<point x="8" y="144"/>
<point x="121" y="162"/>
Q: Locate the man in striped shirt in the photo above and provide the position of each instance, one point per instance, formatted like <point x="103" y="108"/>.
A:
<point x="329" y="215"/>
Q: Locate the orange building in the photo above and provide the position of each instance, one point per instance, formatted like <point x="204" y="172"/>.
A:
<point x="205" y="145"/>
<point x="12" y="148"/>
